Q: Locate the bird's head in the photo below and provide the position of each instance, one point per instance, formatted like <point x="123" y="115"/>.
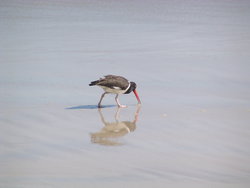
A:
<point x="133" y="88"/>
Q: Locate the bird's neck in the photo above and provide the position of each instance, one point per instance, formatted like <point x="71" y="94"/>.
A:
<point x="130" y="88"/>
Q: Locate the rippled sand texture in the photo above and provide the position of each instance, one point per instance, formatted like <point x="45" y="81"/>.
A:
<point x="190" y="60"/>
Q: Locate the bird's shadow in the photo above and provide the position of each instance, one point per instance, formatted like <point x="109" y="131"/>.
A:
<point x="89" y="107"/>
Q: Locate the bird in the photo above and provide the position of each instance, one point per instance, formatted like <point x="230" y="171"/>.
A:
<point x="116" y="85"/>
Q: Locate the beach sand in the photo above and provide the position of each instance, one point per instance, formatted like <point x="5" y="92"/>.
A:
<point x="190" y="60"/>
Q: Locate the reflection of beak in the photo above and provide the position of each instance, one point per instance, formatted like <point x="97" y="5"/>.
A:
<point x="137" y="97"/>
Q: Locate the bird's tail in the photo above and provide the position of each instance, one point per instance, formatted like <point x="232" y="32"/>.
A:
<point x="93" y="83"/>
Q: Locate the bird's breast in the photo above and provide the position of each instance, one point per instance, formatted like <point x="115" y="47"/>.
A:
<point x="115" y="90"/>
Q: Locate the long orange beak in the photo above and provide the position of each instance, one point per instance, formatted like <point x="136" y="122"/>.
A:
<point x="137" y="97"/>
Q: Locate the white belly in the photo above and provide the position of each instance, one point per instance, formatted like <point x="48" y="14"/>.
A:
<point x="116" y="90"/>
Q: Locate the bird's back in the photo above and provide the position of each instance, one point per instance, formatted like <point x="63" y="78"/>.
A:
<point x="112" y="81"/>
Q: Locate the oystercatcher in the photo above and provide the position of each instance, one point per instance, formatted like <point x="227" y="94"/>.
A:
<point x="117" y="85"/>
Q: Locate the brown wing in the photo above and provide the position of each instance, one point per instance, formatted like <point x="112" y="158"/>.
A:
<point x="113" y="81"/>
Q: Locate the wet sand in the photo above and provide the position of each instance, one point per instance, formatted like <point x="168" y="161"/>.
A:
<point x="190" y="61"/>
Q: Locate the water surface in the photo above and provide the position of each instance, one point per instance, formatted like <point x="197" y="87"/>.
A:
<point x="190" y="60"/>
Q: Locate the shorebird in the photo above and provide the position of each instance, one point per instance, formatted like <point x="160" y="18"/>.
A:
<point x="116" y="85"/>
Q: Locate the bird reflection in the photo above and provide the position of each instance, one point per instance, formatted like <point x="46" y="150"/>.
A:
<point x="111" y="131"/>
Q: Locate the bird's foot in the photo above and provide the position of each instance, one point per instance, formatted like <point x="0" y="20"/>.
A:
<point x="122" y="106"/>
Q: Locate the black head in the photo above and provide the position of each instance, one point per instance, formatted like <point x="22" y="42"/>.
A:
<point x="131" y="88"/>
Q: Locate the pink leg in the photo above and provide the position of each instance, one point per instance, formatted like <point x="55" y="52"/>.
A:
<point x="99" y="104"/>
<point x="118" y="103"/>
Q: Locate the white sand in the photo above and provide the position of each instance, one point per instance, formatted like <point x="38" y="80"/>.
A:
<point x="190" y="61"/>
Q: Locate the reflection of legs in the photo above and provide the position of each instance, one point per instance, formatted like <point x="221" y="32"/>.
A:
<point x="118" y="103"/>
<point x="101" y="115"/>
<point x="99" y="104"/>
<point x="117" y="114"/>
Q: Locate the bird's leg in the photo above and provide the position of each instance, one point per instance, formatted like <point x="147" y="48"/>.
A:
<point x="118" y="103"/>
<point x="99" y="104"/>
